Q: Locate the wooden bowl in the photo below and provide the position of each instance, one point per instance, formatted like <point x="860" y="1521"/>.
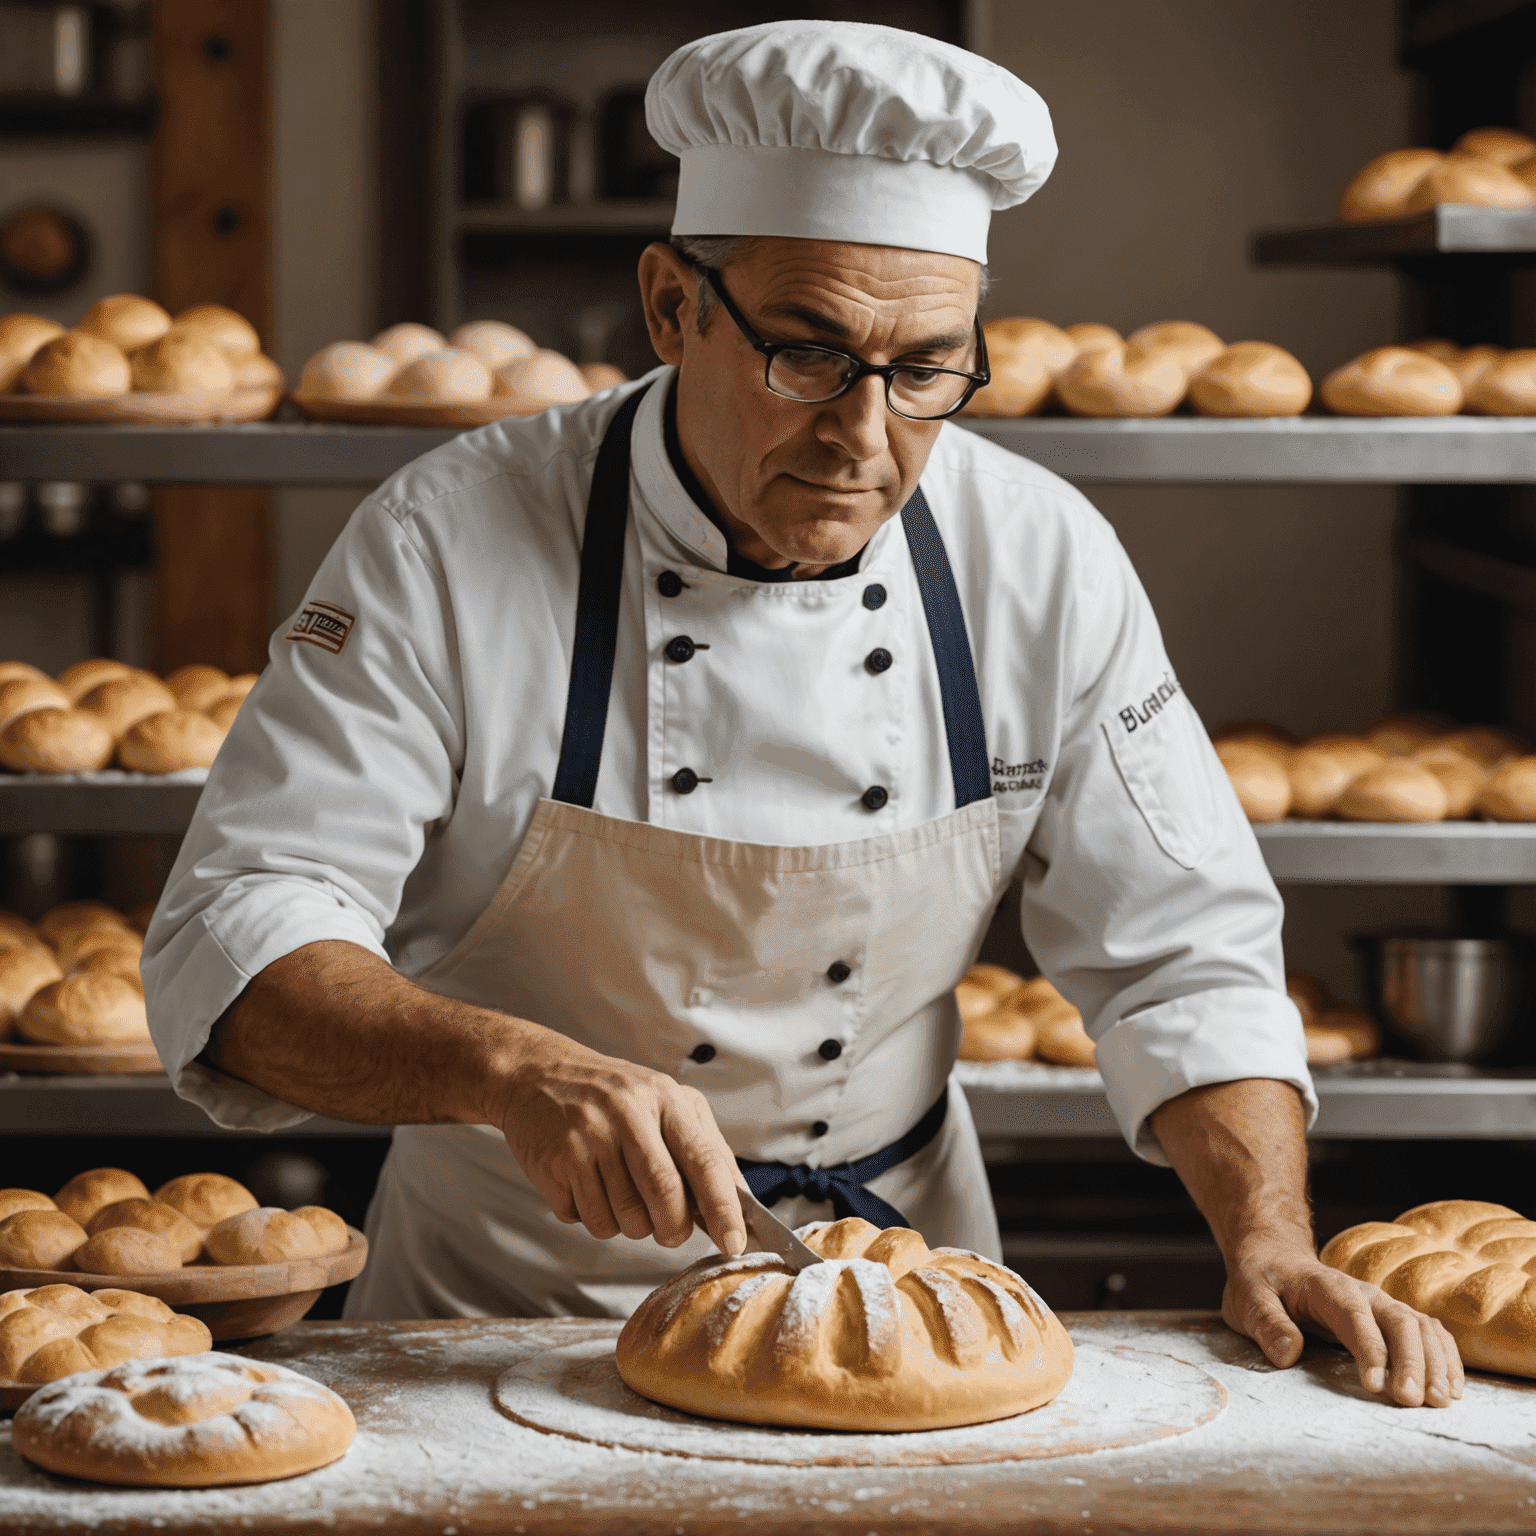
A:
<point x="237" y="1301"/>
<point x="398" y="412"/>
<point x="19" y="1056"/>
<point x="152" y="406"/>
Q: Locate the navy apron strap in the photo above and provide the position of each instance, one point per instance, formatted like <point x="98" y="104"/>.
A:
<point x="597" y="613"/>
<point x="969" y="765"/>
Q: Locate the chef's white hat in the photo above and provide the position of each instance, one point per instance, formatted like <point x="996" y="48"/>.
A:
<point x="838" y="130"/>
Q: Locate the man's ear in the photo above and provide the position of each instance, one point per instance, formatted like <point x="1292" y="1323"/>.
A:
<point x="667" y="288"/>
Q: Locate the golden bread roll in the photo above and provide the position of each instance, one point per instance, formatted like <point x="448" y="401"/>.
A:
<point x="39" y="1240"/>
<point x="1506" y="386"/>
<point x="197" y="686"/>
<point x="496" y="343"/>
<point x="206" y="1199"/>
<point x="55" y="741"/>
<point x="13" y="1200"/>
<point x="1039" y="998"/>
<point x="1403" y="735"/>
<point x="1358" y="1030"/>
<point x="1321" y="771"/>
<point x="72" y="915"/>
<point x="973" y="999"/>
<point x="24" y="693"/>
<point x="78" y="944"/>
<point x="1251" y="378"/>
<point x="1381" y="189"/>
<point x="996" y="979"/>
<point x="1397" y="790"/>
<point x="1000" y="1034"/>
<point x="124" y="701"/>
<point x="1392" y="381"/>
<point x="150" y="1216"/>
<point x="128" y="320"/>
<point x="1465" y="1262"/>
<point x="88" y="1008"/>
<point x="17" y="927"/>
<point x="884" y="1334"/>
<point x="20" y="337"/>
<point x="1259" y="777"/>
<point x="1090" y="336"/>
<point x="81" y="367"/>
<point x="1470" y="364"/>
<point x="1325" y="1047"/>
<point x="170" y="740"/>
<point x="1260" y="731"/>
<point x="49" y="1331"/>
<point x="256" y="371"/>
<point x="1193" y="344"/>
<point x="202" y="1421"/>
<point x="1486" y="744"/>
<point x="223" y="711"/>
<point x="1021" y="384"/>
<point x="444" y="376"/>
<point x="22" y="671"/>
<point x="601" y="376"/>
<point x="1063" y="1040"/>
<point x="535" y="383"/>
<point x="405" y="342"/>
<point x="126" y="1251"/>
<point x="230" y="332"/>
<point x="114" y="962"/>
<point x="347" y="370"/>
<point x="1461" y="776"/>
<point x="1130" y="381"/>
<point x="268" y="1235"/>
<point x="1461" y="179"/>
<point x="78" y="680"/>
<point x="1023" y="333"/>
<point x="1526" y="171"/>
<point x="181" y="361"/>
<point x="94" y="1190"/>
<point x="1504" y="146"/>
<point x="1508" y="795"/>
<point x="24" y="972"/>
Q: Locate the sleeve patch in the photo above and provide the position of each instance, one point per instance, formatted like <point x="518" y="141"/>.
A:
<point x="322" y="624"/>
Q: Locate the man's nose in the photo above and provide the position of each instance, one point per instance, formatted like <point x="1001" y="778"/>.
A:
<point x="855" y="423"/>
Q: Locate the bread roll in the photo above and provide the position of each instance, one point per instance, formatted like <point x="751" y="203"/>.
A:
<point x="1381" y="189"/>
<point x="17" y="930"/>
<point x="1090" y="336"/>
<point x="1397" y="790"/>
<point x="49" y="1331"/>
<point x="1392" y="381"/>
<point x="24" y="693"/>
<point x="224" y="710"/>
<point x="126" y="1251"/>
<point x="1251" y="378"/>
<point x="445" y="376"/>
<point x="1462" y="179"/>
<point x="13" y="1200"/>
<point x="496" y="344"/>
<point x="170" y="740"/>
<point x="39" y="1240"/>
<point x="885" y="1334"/>
<point x="1403" y="735"/>
<point x="347" y="370"/>
<point x="1321" y="771"/>
<point x="1000" y="1034"/>
<point x="88" y="1008"/>
<point x="78" y="680"/>
<point x="1325" y="1047"/>
<point x="1485" y="744"/>
<point x="1358" y="1031"/>
<point x="1194" y="345"/>
<point x="1504" y="146"/>
<point x="1063" y="1040"/>
<point x="24" y="972"/>
<point x="1259" y="777"/>
<point x="256" y="371"/>
<point x="22" y="671"/>
<point x="113" y="962"/>
<point x="535" y="383"/>
<point x="1469" y="364"/>
<point x="1509" y="795"/>
<point x="996" y="979"/>
<point x="405" y="342"/>
<point x="1021" y="384"/>
<point x="206" y="1199"/>
<point x="72" y="915"/>
<point x="1461" y="777"/>
<point x="149" y="1216"/>
<point x="128" y="320"/>
<point x="20" y="337"/>
<point x="80" y="943"/>
<point x="91" y="1192"/>
<point x="81" y="367"/>
<point x="601" y="376"/>
<point x="197" y="686"/>
<point x="55" y="741"/>
<point x="1465" y="1262"/>
<point x="201" y="1421"/>
<point x="182" y="361"/>
<point x="1132" y="381"/>
<point x="272" y="1236"/>
<point x="1506" y="386"/>
<point x="228" y="331"/>
<point x="124" y="701"/>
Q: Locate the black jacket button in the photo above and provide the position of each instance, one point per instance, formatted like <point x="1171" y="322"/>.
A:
<point x="685" y="781"/>
<point x="703" y="1053"/>
<point x="879" y="660"/>
<point x="874" y="596"/>
<point x="830" y="1050"/>
<point x="680" y="649"/>
<point x="669" y="583"/>
<point x="839" y="972"/>
<point x="819" y="1128"/>
<point x="874" y="797"/>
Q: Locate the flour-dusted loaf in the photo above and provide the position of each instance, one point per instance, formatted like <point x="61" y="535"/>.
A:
<point x="1470" y="1264"/>
<point x="269" y="1235"/>
<point x="885" y="1335"/>
<point x="51" y="1331"/>
<point x="206" y="1198"/>
<point x="494" y="342"/>
<point x="405" y="342"/>
<point x="150" y="1216"/>
<point x="201" y="1421"/>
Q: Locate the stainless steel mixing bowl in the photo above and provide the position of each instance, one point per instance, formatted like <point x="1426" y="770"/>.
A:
<point x="1451" y="999"/>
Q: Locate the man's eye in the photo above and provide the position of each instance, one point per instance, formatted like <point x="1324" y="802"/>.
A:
<point x="921" y="378"/>
<point x="810" y="360"/>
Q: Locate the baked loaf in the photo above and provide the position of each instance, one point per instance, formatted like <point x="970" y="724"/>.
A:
<point x="1510" y="794"/>
<point x="230" y="332"/>
<point x="49" y="1331"/>
<point x="10" y="671"/>
<point x="179" y="361"/>
<point x="20" y="337"/>
<point x="91" y="1192"/>
<point x="1403" y="735"/>
<point x="87" y="1008"/>
<point x="56" y="924"/>
<point x="198" y="686"/>
<point x="1059" y="1034"/>
<point x="447" y="375"/>
<point x="1026" y="357"/>
<point x="1342" y="1034"/>
<point x="537" y="382"/>
<point x="1381" y="189"/>
<point x="201" y="1421"/>
<point x="984" y="987"/>
<point x="886" y="1334"/>
<point x="150" y="1216"/>
<point x="1259" y="777"/>
<point x="1321" y="770"/>
<point x="78" y="680"/>
<point x="1396" y="790"/>
<point x="126" y="1251"/>
<point x="206" y="1199"/>
<point x="1194" y="345"/>
<point x="405" y="342"/>
<point x="1469" y="364"/>
<point x="268" y="1235"/>
<point x="13" y="1200"/>
<point x="1392" y="381"/>
<point x="600" y="376"/>
<point x="1504" y="146"/>
<point x="123" y="701"/>
<point x="55" y="741"/>
<point x="1470" y="1264"/>
<point x="1463" y="179"/>
<point x="1505" y="385"/>
<point x="39" y="1240"/>
<point x="170" y="740"/>
<point x="1131" y="381"/>
<point x="1486" y="743"/>
<point x="1461" y="777"/>
<point x="496" y="343"/>
<point x="224" y="711"/>
<point x="24" y="970"/>
<point x="1090" y="336"/>
<point x="1003" y="1033"/>
<point x="128" y="320"/>
<point x="347" y="370"/>
<point x="1251" y="378"/>
<point x="24" y="693"/>
<point x="76" y="945"/>
<point x="80" y="366"/>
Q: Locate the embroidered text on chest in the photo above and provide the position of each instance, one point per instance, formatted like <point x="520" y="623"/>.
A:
<point x="1136" y="715"/>
<point x="1013" y="778"/>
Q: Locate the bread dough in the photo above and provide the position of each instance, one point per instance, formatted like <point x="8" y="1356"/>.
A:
<point x="182" y="361"/>
<point x="1392" y="381"/>
<point x="442" y="377"/>
<point x="1380" y="190"/>
<point x="81" y="367"/>
<point x="347" y="370"/>
<point x="170" y="740"/>
<point x="1397" y="790"/>
<point x="1251" y="378"/>
<point x="49" y="1331"/>
<point x="150" y="1216"/>
<point x="128" y="320"/>
<point x="39" y="1240"/>
<point x="496" y="344"/>
<point x="269" y="1235"/>
<point x="20" y="337"/>
<point x="92" y="1191"/>
<point x="230" y="332"/>
<point x="1130" y="381"/>
<point x="55" y="741"/>
<point x="206" y="1198"/>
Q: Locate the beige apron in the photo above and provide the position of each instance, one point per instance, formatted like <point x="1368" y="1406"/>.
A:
<point x="806" y="992"/>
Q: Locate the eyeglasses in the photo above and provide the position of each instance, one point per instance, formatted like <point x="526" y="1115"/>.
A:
<point x="811" y="374"/>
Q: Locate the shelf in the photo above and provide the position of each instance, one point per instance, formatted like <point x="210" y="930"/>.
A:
<point x="569" y="219"/>
<point x="1451" y="229"/>
<point x="1375" y="853"/>
<point x="1505" y="581"/>
<point x="32" y="117"/>
<point x="102" y="804"/>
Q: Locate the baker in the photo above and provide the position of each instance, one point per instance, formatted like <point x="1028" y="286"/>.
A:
<point x="637" y="780"/>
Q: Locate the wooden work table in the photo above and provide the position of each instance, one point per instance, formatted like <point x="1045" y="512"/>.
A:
<point x="1294" y="1451"/>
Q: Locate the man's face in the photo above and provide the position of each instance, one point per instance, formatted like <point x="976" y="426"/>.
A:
<point x="797" y="483"/>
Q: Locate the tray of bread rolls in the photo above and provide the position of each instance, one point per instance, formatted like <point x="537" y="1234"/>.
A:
<point x="414" y="375"/>
<point x="200" y="1243"/>
<point x="129" y="360"/>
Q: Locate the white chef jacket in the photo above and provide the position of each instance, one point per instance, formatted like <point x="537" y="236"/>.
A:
<point x="378" y="781"/>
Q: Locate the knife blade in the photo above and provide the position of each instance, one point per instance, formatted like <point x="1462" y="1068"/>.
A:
<point x="767" y="1234"/>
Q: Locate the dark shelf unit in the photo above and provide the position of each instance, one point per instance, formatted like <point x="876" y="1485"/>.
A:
<point x="53" y="117"/>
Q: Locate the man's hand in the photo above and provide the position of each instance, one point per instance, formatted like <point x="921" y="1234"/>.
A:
<point x="1275" y="1285"/>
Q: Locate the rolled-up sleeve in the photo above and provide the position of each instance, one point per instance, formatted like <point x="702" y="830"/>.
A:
<point x="315" y="813"/>
<point x="1145" y="896"/>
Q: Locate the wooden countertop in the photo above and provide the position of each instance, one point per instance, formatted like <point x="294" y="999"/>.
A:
<point x="1294" y="1451"/>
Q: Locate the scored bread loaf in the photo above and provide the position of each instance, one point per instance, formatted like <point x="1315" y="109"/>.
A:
<point x="39" y="1240"/>
<point x="1251" y="378"/>
<point x="1359" y="1032"/>
<point x="1193" y="344"/>
<point x="88" y="1008"/>
<point x="1392" y="381"/>
<point x="1002" y="1033"/>
<point x="150" y="1216"/>
<point x="1321" y="770"/>
<point x="1488" y="744"/>
<point x="1469" y="364"/>
<point x="92" y="1191"/>
<point x="601" y="376"/>
<point x="1026" y="357"/>
<point x="11" y="670"/>
<point x="269" y="1235"/>
<point x="25" y="969"/>
<point x="1510" y="792"/>
<point x="170" y="740"/>
<point x="21" y="694"/>
<point x="79" y="366"/>
<point x="79" y="944"/>
<point x="1091" y="336"/>
<point x="1505" y="385"/>
<point x="123" y="701"/>
<point x="206" y="1198"/>
<point x="1464" y="179"/>
<point x="256" y="371"/>
<point x="126" y="1251"/>
<point x="1127" y="381"/>
<point x="1504" y="146"/>
<point x="1381" y="189"/>
<point x="197" y="686"/>
<point x="1470" y="1264"/>
<point x="1403" y="735"/>
<point x="56" y="741"/>
<point x="983" y="987"/>
<point x="1060" y="1037"/>
<point x="885" y="1334"/>
<point x="405" y="342"/>
<point x="73" y="916"/>
<point x="1258" y="775"/>
<point x="1462" y="777"/>
<point x="1397" y="790"/>
<point x="78" y="680"/>
<point x="128" y="320"/>
<point x="50" y="1331"/>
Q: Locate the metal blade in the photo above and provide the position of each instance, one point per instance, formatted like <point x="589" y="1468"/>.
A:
<point x="767" y="1234"/>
